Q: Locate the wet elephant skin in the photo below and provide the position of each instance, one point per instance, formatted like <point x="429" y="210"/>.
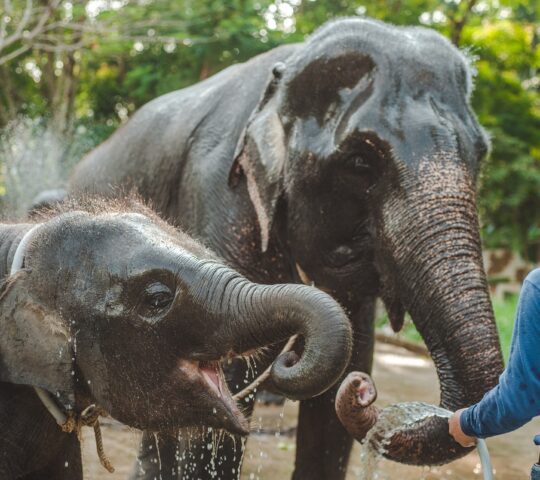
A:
<point x="114" y="307"/>
<point x="350" y="161"/>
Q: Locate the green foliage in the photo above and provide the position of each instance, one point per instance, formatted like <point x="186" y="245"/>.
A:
<point x="214" y="35"/>
<point x="505" y="313"/>
<point x="508" y="105"/>
<point x="133" y="51"/>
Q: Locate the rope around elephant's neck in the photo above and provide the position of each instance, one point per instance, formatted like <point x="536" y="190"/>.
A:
<point x="89" y="417"/>
<point x="263" y="376"/>
<point x="70" y="422"/>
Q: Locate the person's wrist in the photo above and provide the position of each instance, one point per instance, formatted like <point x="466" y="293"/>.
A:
<point x="464" y="422"/>
<point x="456" y="431"/>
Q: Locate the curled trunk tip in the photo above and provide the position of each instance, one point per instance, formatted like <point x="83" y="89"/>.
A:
<point x="267" y="314"/>
<point x="354" y="404"/>
<point x="427" y="443"/>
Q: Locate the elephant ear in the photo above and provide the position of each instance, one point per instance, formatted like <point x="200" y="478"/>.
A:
<point x="332" y="80"/>
<point x="260" y="155"/>
<point x="35" y="344"/>
<point x="394" y="307"/>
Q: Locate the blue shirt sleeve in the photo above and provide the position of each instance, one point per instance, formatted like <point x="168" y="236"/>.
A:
<point x="516" y="399"/>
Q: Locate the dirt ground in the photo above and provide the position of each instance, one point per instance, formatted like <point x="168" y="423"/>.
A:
<point x="399" y="376"/>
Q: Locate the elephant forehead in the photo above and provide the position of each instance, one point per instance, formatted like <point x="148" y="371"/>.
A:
<point x="419" y="54"/>
<point x="116" y="244"/>
<point x="376" y="37"/>
<point x="151" y="244"/>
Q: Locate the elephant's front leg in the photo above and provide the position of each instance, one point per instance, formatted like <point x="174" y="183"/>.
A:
<point x="323" y="446"/>
<point x="157" y="458"/>
<point x="66" y="464"/>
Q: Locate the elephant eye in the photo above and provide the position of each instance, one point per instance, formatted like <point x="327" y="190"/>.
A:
<point x="156" y="298"/>
<point x="360" y="165"/>
<point x="365" y="160"/>
<point x="361" y="169"/>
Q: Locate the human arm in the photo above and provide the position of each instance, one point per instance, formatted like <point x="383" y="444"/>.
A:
<point x="516" y="399"/>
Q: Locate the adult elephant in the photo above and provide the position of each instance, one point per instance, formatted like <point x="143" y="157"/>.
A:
<point x="350" y="161"/>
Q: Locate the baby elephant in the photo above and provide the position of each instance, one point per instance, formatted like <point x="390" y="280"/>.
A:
<point x="107" y="305"/>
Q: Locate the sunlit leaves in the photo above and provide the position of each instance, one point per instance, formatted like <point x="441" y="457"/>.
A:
<point x="137" y="50"/>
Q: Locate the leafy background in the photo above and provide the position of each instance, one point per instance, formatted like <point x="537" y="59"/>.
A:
<point x="72" y="71"/>
<point x="102" y="59"/>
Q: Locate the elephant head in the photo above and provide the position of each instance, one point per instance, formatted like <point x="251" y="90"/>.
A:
<point x="364" y="150"/>
<point x="115" y="307"/>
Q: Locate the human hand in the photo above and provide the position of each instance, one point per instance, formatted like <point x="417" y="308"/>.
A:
<point x="454" y="427"/>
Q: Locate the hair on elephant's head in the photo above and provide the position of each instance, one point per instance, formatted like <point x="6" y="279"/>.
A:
<point x="365" y="151"/>
<point x="115" y="307"/>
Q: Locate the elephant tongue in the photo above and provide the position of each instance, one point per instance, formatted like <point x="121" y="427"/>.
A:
<point x="212" y="377"/>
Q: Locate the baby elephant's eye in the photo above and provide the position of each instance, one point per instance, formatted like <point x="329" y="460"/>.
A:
<point x="157" y="298"/>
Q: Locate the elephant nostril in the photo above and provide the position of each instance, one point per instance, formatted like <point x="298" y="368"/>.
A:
<point x="288" y="359"/>
<point x="364" y="393"/>
<point x="364" y="390"/>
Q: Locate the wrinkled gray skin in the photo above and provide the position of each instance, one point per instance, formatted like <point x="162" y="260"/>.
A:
<point x="349" y="160"/>
<point x="121" y="310"/>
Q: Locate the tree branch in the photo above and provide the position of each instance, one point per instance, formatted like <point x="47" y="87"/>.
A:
<point x="18" y="34"/>
<point x="15" y="53"/>
<point x="21" y="33"/>
<point x="458" y="25"/>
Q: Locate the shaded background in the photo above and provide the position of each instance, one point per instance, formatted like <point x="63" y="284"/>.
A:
<point x="71" y="72"/>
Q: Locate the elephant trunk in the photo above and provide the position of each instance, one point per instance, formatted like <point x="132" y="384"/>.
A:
<point x="442" y="284"/>
<point x="253" y="315"/>
<point x="354" y="404"/>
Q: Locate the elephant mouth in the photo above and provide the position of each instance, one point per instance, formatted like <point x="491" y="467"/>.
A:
<point x="213" y="375"/>
<point x="210" y="375"/>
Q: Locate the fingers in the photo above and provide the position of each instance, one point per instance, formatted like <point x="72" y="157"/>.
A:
<point x="454" y="428"/>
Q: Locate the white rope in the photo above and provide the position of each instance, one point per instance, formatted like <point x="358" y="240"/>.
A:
<point x="18" y="259"/>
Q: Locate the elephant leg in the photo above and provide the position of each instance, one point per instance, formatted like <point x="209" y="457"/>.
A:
<point x="66" y="464"/>
<point x="323" y="446"/>
<point x="191" y="456"/>
<point x="156" y="458"/>
<point x="217" y="455"/>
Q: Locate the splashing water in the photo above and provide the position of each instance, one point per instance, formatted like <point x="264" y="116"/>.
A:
<point x="31" y="156"/>
<point x="35" y="157"/>
<point x="158" y="454"/>
<point x="401" y="416"/>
